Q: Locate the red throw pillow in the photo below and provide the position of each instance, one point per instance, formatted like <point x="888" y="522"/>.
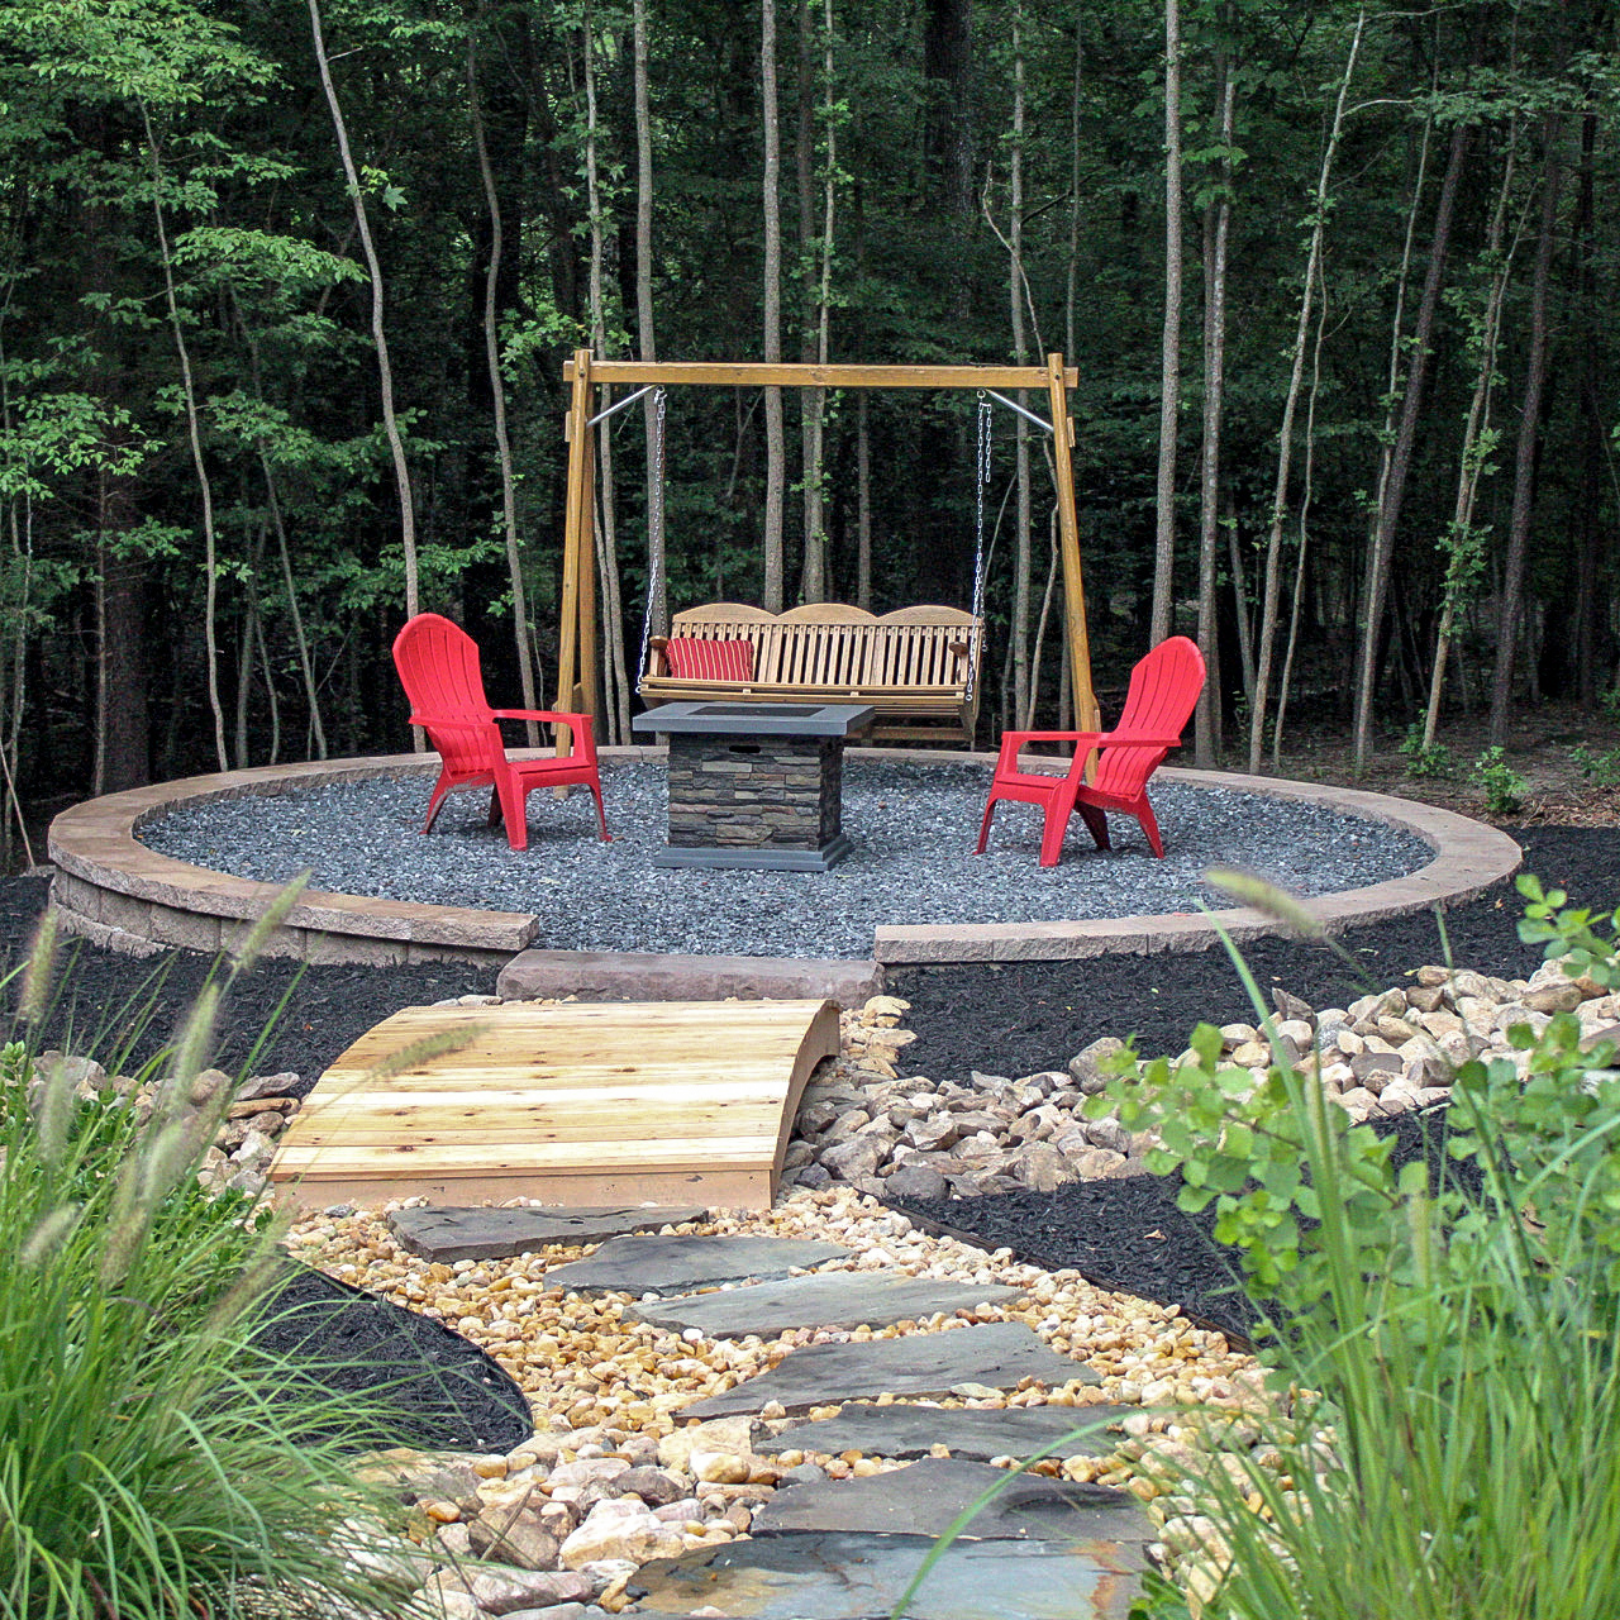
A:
<point x="694" y="660"/>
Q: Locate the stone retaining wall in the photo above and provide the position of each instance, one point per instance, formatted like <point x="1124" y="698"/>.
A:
<point x="117" y="893"/>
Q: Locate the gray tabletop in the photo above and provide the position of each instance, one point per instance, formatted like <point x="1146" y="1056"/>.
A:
<point x="756" y="719"/>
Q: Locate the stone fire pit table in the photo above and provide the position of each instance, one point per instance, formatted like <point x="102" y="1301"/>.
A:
<point x="755" y="784"/>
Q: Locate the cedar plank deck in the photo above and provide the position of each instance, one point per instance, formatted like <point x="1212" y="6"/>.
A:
<point x="577" y="1103"/>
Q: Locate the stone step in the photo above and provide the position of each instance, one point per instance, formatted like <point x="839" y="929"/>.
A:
<point x="905" y="1430"/>
<point x="844" y="1575"/>
<point x="925" y="1498"/>
<point x="834" y="1299"/>
<point x="678" y="1263"/>
<point x="992" y="1356"/>
<point x="450" y="1234"/>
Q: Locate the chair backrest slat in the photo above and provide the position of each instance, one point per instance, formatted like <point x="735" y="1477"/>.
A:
<point x="1163" y="694"/>
<point x="439" y="668"/>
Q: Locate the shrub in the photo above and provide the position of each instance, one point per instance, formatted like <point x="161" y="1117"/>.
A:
<point x="1503" y="787"/>
<point x="151" y="1462"/>
<point x="1602" y="770"/>
<point x="1449" y="1390"/>
<point x="1425" y="759"/>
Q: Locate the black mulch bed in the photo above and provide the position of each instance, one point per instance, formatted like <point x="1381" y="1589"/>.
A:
<point x="107" y="1003"/>
<point x="430" y="1387"/>
<point x="1128" y="1235"/>
<point x="1009" y="1019"/>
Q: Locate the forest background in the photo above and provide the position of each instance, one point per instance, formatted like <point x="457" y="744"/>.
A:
<point x="286" y="290"/>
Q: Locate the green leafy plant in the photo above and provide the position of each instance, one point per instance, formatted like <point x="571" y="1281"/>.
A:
<point x="1425" y="759"/>
<point x="154" y="1461"/>
<point x="1445" y="1440"/>
<point x="1602" y="770"/>
<point x="1503" y="787"/>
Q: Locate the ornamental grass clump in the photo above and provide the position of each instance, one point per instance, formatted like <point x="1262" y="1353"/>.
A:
<point x="1444" y="1442"/>
<point x="152" y="1461"/>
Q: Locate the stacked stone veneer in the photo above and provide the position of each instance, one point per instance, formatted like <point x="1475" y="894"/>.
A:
<point x="766" y="793"/>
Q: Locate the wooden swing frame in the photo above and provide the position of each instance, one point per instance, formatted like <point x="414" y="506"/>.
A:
<point x="577" y="642"/>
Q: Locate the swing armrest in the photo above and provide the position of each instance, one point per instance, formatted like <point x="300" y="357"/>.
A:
<point x="657" y="655"/>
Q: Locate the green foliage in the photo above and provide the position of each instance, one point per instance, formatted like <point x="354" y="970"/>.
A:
<point x="1603" y="770"/>
<point x="1425" y="759"/>
<point x="1450" y="1392"/>
<point x="153" y="1462"/>
<point x="1503" y="787"/>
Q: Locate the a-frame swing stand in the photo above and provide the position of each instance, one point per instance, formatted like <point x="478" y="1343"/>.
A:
<point x="577" y="642"/>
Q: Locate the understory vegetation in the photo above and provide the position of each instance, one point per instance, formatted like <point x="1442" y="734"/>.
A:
<point x="1444" y="1441"/>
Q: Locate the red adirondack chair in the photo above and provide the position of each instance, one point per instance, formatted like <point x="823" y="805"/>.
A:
<point x="439" y="668"/>
<point x="1163" y="694"/>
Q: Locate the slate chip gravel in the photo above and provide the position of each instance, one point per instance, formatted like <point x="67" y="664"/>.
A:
<point x="914" y="828"/>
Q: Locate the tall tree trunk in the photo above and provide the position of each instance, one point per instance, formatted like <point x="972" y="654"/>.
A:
<point x="1071" y="280"/>
<point x="1524" y="461"/>
<point x="1307" y="490"/>
<point x="775" y="445"/>
<point x="1164" y="546"/>
<point x="1285" y="446"/>
<point x="614" y="677"/>
<point x="863" y="504"/>
<point x="948" y="130"/>
<point x="1022" y="559"/>
<point x="1217" y="220"/>
<point x="205" y="488"/>
<point x="122" y="734"/>
<point x="497" y="390"/>
<point x="1400" y="461"/>
<point x="1594" y="431"/>
<point x="1463" y="545"/>
<point x="817" y="582"/>
<point x="646" y="340"/>
<point x="379" y="336"/>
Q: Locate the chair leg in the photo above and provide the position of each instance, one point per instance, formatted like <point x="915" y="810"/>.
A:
<point x="494" y="807"/>
<point x="601" y="814"/>
<point x="436" y="802"/>
<point x="1058" y="811"/>
<point x="984" y="826"/>
<point x="513" y="808"/>
<point x="1150" y="825"/>
<point x="1096" y="823"/>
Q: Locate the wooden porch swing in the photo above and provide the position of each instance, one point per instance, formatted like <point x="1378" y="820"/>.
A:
<point x="917" y="667"/>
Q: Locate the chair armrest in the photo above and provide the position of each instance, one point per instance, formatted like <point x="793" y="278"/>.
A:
<point x="1136" y="739"/>
<point x="553" y="717"/>
<point x="1012" y="743"/>
<point x="457" y="722"/>
<point x="1095" y="738"/>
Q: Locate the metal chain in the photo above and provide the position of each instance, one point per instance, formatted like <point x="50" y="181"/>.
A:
<point x="655" y="527"/>
<point x="982" y="484"/>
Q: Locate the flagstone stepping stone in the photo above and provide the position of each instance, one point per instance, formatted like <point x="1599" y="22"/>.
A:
<point x="909" y="1431"/>
<point x="447" y="1235"/>
<point x="672" y="1265"/>
<point x="836" y="1299"/>
<point x="925" y="1498"/>
<point x="805" y="1575"/>
<point x="995" y="1355"/>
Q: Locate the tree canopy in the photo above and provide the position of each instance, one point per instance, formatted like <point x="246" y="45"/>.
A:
<point x="1394" y="239"/>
